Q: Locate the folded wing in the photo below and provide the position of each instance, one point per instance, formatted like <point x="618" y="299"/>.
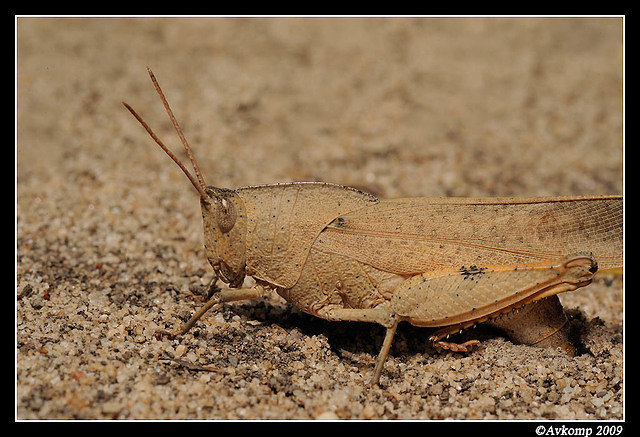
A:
<point x="416" y="235"/>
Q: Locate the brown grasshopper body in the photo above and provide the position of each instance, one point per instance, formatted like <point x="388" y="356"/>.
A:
<point x="341" y="254"/>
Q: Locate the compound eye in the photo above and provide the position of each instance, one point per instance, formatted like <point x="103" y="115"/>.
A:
<point x="225" y="215"/>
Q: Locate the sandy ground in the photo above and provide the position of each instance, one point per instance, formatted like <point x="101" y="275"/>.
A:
<point x="109" y="235"/>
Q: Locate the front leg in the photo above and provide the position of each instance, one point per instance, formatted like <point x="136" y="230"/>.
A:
<point x="217" y="297"/>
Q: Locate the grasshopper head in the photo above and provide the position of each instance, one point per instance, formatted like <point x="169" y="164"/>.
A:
<point x="225" y="225"/>
<point x="223" y="211"/>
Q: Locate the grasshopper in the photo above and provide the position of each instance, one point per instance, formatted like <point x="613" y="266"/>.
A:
<point x="344" y="255"/>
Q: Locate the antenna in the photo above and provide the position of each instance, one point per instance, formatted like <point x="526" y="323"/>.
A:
<point x="199" y="184"/>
